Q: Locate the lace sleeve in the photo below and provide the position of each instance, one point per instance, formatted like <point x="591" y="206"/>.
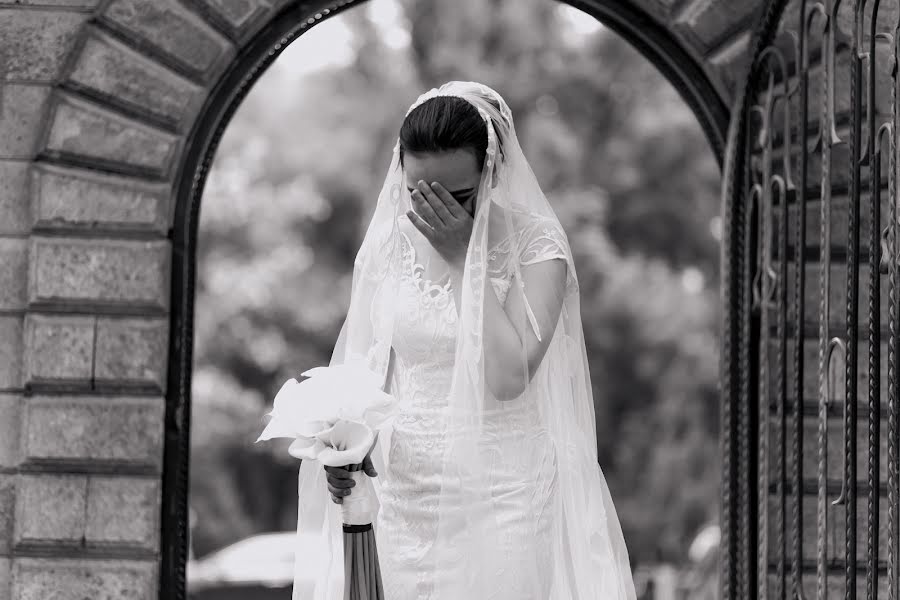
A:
<point x="544" y="240"/>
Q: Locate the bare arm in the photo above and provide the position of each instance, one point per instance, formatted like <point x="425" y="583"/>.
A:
<point x="509" y="327"/>
<point x="509" y="333"/>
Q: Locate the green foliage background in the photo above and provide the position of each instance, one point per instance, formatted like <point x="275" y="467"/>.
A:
<point x="620" y="156"/>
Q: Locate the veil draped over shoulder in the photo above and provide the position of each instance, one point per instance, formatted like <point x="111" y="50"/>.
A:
<point x="587" y="550"/>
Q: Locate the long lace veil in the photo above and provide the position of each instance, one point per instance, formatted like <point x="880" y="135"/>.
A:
<point x="586" y="552"/>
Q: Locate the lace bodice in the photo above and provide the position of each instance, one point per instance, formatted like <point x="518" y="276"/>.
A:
<point x="424" y="342"/>
<point x="424" y="337"/>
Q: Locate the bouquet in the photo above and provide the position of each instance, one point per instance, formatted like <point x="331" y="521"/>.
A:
<point x="332" y="417"/>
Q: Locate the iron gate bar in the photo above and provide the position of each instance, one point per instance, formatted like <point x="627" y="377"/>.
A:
<point x="781" y="385"/>
<point x="773" y="285"/>
<point x="893" y="354"/>
<point x="788" y="195"/>
<point x="873" y="480"/>
<point x="768" y="279"/>
<point x="873" y="153"/>
<point x="799" y="316"/>
<point x="827" y="139"/>
<point x="746" y="363"/>
<point x="744" y="450"/>
<point x="786" y="192"/>
<point x="850" y="418"/>
<point x="761" y="302"/>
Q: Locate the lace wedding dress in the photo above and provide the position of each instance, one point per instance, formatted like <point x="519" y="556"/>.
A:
<point x="518" y="450"/>
<point x="479" y="499"/>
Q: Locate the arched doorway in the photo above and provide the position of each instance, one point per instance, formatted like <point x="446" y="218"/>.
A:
<point x="632" y="24"/>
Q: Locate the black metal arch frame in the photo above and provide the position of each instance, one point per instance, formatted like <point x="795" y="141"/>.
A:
<point x="736" y="562"/>
<point x="653" y="40"/>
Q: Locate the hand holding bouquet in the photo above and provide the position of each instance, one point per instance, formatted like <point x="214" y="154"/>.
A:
<point x="332" y="417"/>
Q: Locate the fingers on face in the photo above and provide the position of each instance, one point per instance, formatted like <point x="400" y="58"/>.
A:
<point x="450" y="203"/>
<point x="413" y="213"/>
<point x="425" y="208"/>
<point x="438" y="203"/>
<point x="420" y="224"/>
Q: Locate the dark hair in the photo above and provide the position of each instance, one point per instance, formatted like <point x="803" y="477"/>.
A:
<point x="444" y="123"/>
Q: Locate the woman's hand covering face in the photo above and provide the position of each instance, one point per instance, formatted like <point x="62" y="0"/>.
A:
<point x="442" y="220"/>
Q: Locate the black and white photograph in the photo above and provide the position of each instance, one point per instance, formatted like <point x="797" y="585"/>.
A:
<point x="449" y="300"/>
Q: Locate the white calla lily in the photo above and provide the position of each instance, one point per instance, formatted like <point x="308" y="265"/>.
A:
<point x="332" y="414"/>
<point x="306" y="448"/>
<point x="346" y="443"/>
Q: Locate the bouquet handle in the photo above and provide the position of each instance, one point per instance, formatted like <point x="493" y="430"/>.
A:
<point x="359" y="507"/>
<point x="362" y="573"/>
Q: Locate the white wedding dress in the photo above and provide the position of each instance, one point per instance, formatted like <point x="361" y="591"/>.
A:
<point x="535" y="520"/>
<point x="520" y="452"/>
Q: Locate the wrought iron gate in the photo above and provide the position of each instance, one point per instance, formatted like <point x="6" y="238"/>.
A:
<point x="811" y="266"/>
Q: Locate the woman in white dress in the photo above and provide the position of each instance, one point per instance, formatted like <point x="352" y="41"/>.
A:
<point x="487" y="477"/>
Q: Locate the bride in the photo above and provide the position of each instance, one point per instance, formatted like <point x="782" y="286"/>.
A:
<point x="465" y="298"/>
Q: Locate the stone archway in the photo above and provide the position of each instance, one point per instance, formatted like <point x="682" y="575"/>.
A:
<point x="109" y="113"/>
